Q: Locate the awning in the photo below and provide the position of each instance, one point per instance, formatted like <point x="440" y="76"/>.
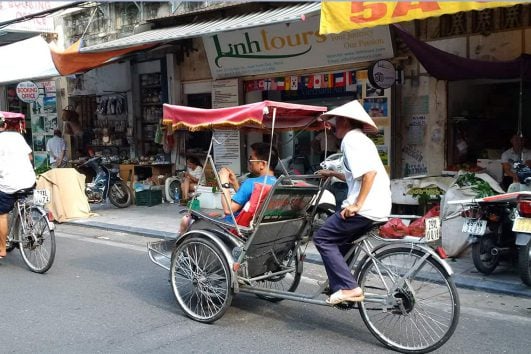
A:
<point x="254" y="115"/>
<point x="71" y="61"/>
<point x="164" y="35"/>
<point x="341" y="16"/>
<point x="29" y="59"/>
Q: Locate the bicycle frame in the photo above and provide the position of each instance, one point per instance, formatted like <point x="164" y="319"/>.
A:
<point x="20" y="212"/>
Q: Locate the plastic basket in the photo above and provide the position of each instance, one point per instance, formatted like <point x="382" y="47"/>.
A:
<point x="148" y="197"/>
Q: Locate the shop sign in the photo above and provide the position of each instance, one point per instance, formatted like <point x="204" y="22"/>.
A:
<point x="27" y="91"/>
<point x="382" y="74"/>
<point x="286" y="47"/>
<point x="10" y="10"/>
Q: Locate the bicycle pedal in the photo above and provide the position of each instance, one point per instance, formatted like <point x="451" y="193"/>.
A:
<point x="345" y="306"/>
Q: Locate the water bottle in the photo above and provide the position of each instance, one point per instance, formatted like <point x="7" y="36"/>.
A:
<point x="176" y="195"/>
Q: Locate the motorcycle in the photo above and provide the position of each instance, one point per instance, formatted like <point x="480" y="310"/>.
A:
<point x="106" y="184"/>
<point x="499" y="227"/>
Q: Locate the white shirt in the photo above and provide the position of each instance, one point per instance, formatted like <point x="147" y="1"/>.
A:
<point x="16" y="170"/>
<point x="197" y="173"/>
<point x="359" y="157"/>
<point x="512" y="155"/>
<point x="55" y="146"/>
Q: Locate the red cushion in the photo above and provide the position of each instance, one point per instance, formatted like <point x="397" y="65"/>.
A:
<point x="249" y="209"/>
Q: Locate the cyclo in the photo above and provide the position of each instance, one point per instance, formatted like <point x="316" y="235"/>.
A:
<point x="411" y="302"/>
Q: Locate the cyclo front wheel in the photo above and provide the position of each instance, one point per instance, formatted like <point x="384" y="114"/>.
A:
<point x="37" y="242"/>
<point x="201" y="279"/>
<point x="417" y="314"/>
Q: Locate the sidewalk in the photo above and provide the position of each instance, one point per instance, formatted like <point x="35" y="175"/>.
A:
<point x="162" y="221"/>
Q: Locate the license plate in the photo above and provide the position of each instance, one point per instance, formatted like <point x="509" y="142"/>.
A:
<point x="41" y="196"/>
<point x="433" y="229"/>
<point x="474" y="227"/>
<point x="522" y="225"/>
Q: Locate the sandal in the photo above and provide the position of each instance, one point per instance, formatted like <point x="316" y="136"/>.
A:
<point x="338" y="297"/>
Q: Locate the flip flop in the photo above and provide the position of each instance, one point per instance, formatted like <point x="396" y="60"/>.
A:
<point x="338" y="297"/>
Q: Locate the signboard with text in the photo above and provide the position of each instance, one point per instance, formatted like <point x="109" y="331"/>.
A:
<point x="27" y="91"/>
<point x="283" y="47"/>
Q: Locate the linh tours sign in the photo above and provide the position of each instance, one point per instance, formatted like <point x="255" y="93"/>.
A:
<point x="283" y="47"/>
<point x="341" y="16"/>
<point x="27" y="91"/>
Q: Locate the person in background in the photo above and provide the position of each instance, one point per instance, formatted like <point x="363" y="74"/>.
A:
<point x="16" y="173"/>
<point x="368" y="200"/>
<point x="56" y="148"/>
<point x="192" y="176"/>
<point x="325" y="145"/>
<point x="517" y="152"/>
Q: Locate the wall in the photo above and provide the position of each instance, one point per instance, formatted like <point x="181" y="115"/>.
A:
<point x="195" y="65"/>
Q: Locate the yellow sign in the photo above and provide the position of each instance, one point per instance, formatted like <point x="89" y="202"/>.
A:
<point x="340" y="16"/>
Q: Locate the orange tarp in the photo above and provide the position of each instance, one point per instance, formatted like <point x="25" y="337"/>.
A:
<point x="71" y="61"/>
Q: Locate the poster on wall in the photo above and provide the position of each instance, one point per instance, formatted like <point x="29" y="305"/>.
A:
<point x="225" y="93"/>
<point x="43" y="120"/>
<point x="227" y="149"/>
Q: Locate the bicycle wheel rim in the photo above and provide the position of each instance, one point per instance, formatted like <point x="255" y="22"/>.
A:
<point x="430" y="309"/>
<point x="200" y="280"/>
<point x="37" y="245"/>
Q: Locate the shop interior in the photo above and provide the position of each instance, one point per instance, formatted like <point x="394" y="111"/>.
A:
<point x="482" y="117"/>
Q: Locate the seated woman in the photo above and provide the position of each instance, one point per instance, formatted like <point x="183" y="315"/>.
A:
<point x="191" y="176"/>
<point x="257" y="166"/>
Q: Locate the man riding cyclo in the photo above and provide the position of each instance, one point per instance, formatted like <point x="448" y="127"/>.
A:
<point x="16" y="173"/>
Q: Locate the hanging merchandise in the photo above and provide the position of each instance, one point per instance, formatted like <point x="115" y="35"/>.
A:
<point x="159" y="135"/>
<point x="169" y="141"/>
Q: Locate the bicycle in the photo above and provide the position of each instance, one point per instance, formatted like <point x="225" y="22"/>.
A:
<point x="411" y="303"/>
<point x="31" y="230"/>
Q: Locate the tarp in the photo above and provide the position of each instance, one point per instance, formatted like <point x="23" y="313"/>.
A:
<point x="254" y="115"/>
<point x="340" y="16"/>
<point x="446" y="66"/>
<point x="29" y="59"/>
<point x="71" y="61"/>
<point x="68" y="199"/>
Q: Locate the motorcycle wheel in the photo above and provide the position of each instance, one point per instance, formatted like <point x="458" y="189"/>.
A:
<point x="482" y="257"/>
<point x="524" y="263"/>
<point x="120" y="195"/>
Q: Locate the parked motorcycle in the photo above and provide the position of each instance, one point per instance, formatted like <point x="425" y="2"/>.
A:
<point x="499" y="227"/>
<point x="106" y="184"/>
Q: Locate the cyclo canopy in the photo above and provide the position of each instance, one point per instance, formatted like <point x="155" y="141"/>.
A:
<point x="13" y="119"/>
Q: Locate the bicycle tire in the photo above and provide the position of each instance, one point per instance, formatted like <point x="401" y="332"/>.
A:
<point x="37" y="245"/>
<point x="417" y="325"/>
<point x="200" y="279"/>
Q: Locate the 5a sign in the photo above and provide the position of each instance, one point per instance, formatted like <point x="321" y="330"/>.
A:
<point x="27" y="91"/>
<point x="340" y="16"/>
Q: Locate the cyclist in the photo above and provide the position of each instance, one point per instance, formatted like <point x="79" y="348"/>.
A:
<point x="16" y="173"/>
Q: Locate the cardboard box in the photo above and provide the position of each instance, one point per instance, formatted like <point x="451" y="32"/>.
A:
<point x="492" y="167"/>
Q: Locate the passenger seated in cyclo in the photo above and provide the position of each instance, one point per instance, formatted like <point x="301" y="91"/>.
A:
<point x="368" y="200"/>
<point x="258" y="166"/>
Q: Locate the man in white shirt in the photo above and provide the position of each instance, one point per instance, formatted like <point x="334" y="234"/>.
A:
<point x="368" y="199"/>
<point x="16" y="173"/>
<point x="56" y="148"/>
<point x="516" y="153"/>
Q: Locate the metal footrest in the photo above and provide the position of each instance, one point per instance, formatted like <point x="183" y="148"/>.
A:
<point x="160" y="252"/>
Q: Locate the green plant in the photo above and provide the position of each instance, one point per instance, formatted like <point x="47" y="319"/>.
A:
<point x="478" y="186"/>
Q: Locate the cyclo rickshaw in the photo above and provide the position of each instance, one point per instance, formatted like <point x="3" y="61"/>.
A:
<point x="411" y="303"/>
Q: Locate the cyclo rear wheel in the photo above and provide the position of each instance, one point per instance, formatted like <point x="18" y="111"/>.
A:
<point x="420" y="315"/>
<point x="286" y="282"/>
<point x="200" y="279"/>
<point x="37" y="243"/>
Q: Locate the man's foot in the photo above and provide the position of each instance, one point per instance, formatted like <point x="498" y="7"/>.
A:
<point x="351" y="295"/>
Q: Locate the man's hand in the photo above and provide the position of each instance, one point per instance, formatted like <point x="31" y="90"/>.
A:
<point x="325" y="173"/>
<point x="349" y="211"/>
<point x="226" y="175"/>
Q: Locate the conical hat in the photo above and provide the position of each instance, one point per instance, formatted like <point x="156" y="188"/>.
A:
<point x="353" y="110"/>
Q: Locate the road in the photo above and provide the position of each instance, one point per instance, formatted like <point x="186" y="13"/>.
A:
<point x="104" y="295"/>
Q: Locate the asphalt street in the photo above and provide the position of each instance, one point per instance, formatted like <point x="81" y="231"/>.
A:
<point x="104" y="295"/>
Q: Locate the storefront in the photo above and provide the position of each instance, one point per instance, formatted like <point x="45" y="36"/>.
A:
<point x="293" y="63"/>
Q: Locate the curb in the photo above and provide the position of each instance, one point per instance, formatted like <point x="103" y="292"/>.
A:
<point x="461" y="281"/>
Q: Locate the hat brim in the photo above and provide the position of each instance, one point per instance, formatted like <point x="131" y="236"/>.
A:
<point x="353" y="110"/>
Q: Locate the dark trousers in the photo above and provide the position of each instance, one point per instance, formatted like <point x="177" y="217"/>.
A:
<point x="333" y="242"/>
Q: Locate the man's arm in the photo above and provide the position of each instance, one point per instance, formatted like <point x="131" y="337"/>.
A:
<point x="367" y="180"/>
<point x="330" y="173"/>
<point x="226" y="175"/>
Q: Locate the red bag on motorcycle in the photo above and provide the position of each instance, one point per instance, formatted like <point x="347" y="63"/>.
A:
<point x="418" y="227"/>
<point x="394" y="228"/>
